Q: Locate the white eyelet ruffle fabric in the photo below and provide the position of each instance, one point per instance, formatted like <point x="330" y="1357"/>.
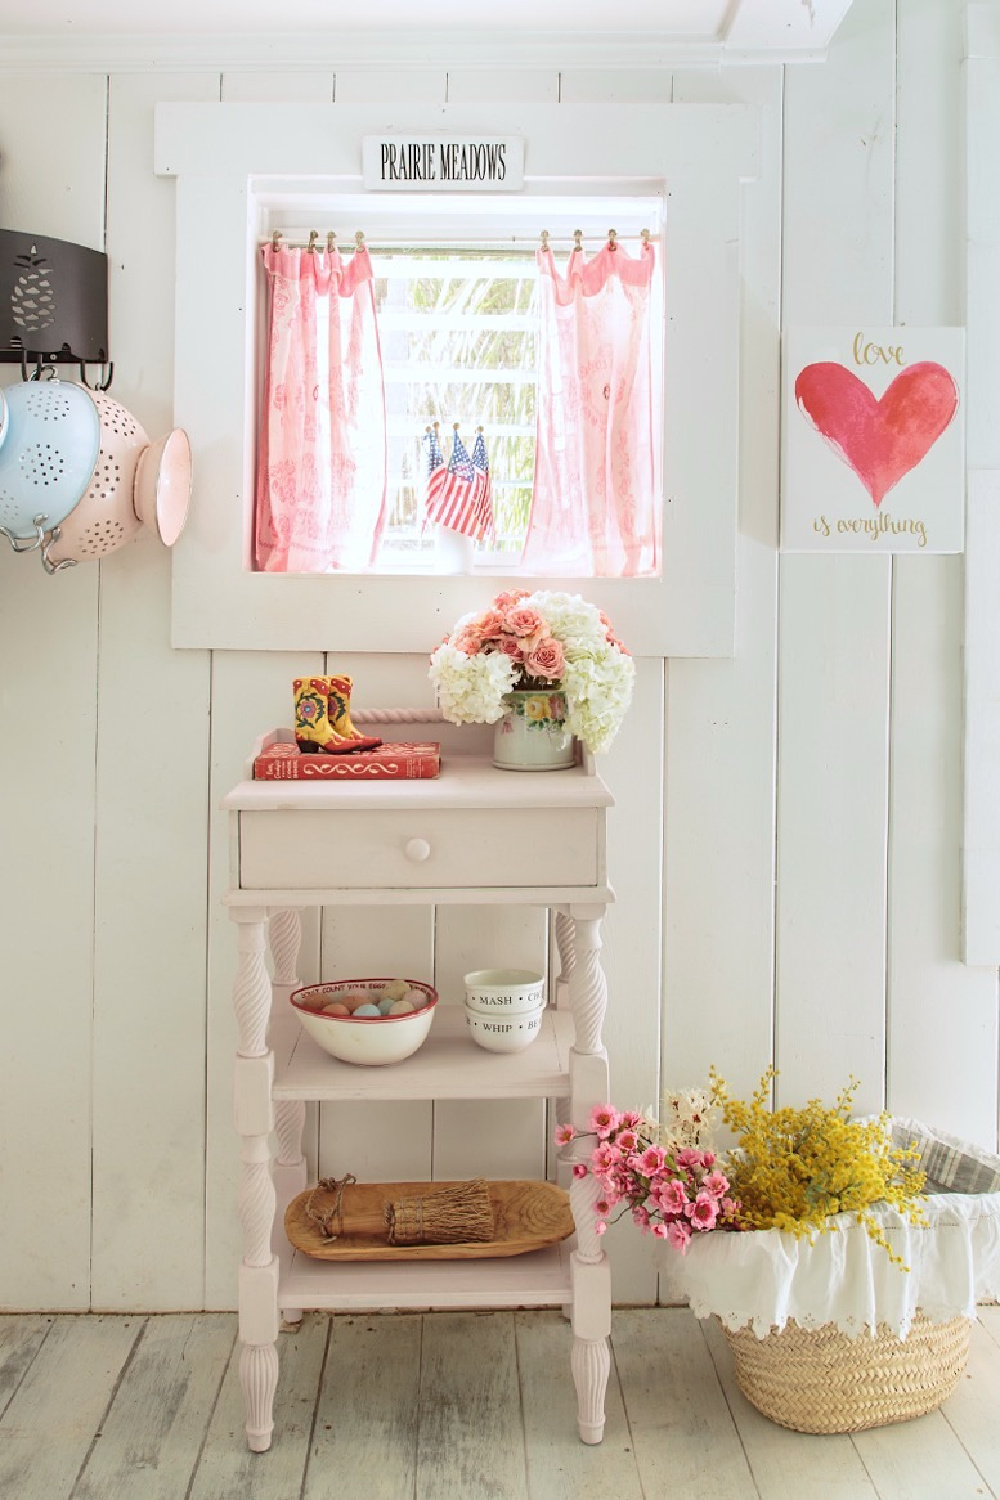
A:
<point x="765" y="1277"/>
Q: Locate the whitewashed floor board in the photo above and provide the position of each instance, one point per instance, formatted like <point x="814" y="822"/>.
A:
<point x="446" y="1406"/>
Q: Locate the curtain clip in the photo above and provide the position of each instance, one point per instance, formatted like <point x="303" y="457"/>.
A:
<point x="612" y="237"/>
<point x="276" y="240"/>
<point x="577" y="239"/>
<point x="359" y="239"/>
<point x="313" y="237"/>
<point x="644" y="236"/>
<point x="331" y="242"/>
<point x="545" y="239"/>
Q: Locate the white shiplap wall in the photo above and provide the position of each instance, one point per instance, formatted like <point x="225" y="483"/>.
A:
<point x="786" y="845"/>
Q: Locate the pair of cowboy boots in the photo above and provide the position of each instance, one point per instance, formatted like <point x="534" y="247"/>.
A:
<point x="323" y="717"/>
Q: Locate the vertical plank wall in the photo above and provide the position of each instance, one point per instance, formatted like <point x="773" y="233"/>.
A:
<point x="786" y="842"/>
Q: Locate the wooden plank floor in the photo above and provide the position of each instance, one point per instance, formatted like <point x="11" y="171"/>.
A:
<point x="446" y="1406"/>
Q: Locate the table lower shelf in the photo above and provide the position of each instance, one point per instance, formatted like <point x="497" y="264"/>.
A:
<point x="540" y="1279"/>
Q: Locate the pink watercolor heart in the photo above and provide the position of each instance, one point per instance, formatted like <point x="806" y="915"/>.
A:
<point x="880" y="438"/>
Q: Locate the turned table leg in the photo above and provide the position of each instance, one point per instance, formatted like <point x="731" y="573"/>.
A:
<point x="589" y="1268"/>
<point x="258" y="1273"/>
<point x="290" y="1173"/>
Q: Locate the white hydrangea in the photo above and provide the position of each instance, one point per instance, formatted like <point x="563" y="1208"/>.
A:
<point x="471" y="689"/>
<point x="598" y="688"/>
<point x="573" y="622"/>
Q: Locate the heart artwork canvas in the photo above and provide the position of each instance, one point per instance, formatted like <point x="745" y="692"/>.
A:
<point x="873" y="450"/>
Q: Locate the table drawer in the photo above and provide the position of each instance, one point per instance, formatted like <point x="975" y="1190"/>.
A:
<point x="386" y="850"/>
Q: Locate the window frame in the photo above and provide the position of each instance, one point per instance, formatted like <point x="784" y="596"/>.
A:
<point x="232" y="161"/>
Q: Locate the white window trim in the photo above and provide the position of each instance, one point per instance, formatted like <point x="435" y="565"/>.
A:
<point x="228" y="157"/>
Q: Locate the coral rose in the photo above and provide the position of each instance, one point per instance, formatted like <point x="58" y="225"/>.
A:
<point x="489" y="625"/>
<point x="522" y="622"/>
<point x="547" y="659"/>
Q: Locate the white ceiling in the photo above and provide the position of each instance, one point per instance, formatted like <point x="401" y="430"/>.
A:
<point x="701" y="19"/>
<point x="105" y="34"/>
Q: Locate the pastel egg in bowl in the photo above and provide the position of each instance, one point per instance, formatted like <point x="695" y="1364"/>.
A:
<point x="366" y="1038"/>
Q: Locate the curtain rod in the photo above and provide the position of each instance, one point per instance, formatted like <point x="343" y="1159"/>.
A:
<point x="277" y="240"/>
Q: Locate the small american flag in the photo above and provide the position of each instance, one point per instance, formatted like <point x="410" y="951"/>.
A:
<point x="454" y="495"/>
<point x="437" y="473"/>
<point x="481" y="464"/>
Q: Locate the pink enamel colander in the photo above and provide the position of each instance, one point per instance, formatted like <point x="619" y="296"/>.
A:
<point x="134" y="483"/>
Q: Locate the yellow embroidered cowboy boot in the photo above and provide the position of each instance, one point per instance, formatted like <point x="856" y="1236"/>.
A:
<point x="339" y="714"/>
<point x="313" y="730"/>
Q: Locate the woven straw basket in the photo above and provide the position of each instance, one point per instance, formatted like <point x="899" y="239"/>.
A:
<point x="822" y="1381"/>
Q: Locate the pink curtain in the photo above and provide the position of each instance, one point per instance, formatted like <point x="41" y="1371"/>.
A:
<point x="321" y="464"/>
<point x="596" y="505"/>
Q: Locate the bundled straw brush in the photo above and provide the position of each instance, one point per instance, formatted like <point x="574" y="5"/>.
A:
<point x="457" y="1215"/>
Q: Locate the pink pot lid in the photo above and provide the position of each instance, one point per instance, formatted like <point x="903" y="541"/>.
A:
<point x="163" y="485"/>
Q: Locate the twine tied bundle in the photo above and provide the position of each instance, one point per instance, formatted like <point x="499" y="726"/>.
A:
<point x="451" y="1216"/>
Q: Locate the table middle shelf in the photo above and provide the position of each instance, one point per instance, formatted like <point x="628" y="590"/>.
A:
<point x="449" y="1065"/>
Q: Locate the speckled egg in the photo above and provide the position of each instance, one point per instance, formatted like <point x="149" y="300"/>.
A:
<point x="364" y="1011"/>
<point x="354" y="999"/>
<point x="395" y="989"/>
<point x="402" y="1008"/>
<point x="417" y="998"/>
<point x="335" y="1008"/>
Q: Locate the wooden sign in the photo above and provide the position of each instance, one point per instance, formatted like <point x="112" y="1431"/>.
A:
<point x="873" y="440"/>
<point x="449" y="164"/>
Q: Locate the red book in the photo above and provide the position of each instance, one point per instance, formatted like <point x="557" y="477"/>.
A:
<point x="388" y="762"/>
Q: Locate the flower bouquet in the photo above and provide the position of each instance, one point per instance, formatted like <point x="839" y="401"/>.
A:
<point x="550" y="659"/>
<point x="665" y="1176"/>
<point x="834" y="1235"/>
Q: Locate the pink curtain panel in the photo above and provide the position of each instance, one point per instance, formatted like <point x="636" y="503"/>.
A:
<point x="321" y="467"/>
<point x="595" y="510"/>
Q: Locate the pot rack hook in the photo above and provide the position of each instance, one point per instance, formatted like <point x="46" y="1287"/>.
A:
<point x="107" y="371"/>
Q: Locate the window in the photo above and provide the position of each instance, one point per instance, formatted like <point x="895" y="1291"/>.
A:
<point x="242" y="169"/>
<point x="460" y="331"/>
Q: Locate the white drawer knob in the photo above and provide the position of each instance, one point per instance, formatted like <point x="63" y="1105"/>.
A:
<point x="417" y="849"/>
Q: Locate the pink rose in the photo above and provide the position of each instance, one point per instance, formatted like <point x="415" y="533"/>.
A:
<point x="511" y="646"/>
<point x="547" y="659"/>
<point x="509" y="598"/>
<point x="522" y="622"/>
<point x="467" y="641"/>
<point x="489" y="625"/>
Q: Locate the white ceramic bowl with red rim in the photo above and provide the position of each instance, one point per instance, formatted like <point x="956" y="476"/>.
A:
<point x="504" y="1032"/>
<point x="509" y="992"/>
<point x="369" y="1040"/>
